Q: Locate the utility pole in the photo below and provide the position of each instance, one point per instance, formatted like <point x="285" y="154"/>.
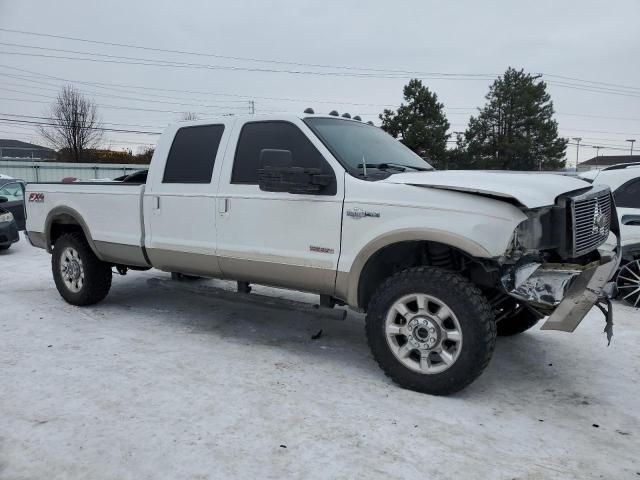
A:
<point x="597" y="147"/>
<point x="577" y="140"/>
<point x="252" y="107"/>
<point x="631" y="141"/>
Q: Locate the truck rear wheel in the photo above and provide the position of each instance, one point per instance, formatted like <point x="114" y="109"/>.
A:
<point x="80" y="277"/>
<point x="430" y="330"/>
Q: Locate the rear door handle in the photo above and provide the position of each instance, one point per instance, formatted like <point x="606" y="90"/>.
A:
<point x="156" y="203"/>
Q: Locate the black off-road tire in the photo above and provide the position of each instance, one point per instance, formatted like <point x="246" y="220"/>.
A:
<point x="518" y="323"/>
<point x="4" y="247"/>
<point x="97" y="274"/>
<point x="474" y="314"/>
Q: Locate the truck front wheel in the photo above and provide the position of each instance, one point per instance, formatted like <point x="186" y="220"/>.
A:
<point x="80" y="277"/>
<point x="430" y="330"/>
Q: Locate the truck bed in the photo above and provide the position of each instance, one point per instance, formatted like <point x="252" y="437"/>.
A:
<point x="109" y="212"/>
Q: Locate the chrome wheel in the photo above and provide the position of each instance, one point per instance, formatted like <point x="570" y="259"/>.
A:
<point x="628" y="283"/>
<point x="423" y="333"/>
<point x="71" y="269"/>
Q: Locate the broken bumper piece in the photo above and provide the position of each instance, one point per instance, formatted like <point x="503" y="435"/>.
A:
<point x="569" y="292"/>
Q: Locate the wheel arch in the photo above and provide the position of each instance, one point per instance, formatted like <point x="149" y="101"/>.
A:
<point x="357" y="285"/>
<point x="61" y="220"/>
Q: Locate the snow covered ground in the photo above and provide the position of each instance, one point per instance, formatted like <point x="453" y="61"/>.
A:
<point x="187" y="380"/>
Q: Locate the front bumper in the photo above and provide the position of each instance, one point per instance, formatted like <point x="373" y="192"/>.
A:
<point x="568" y="291"/>
<point x="589" y="288"/>
<point x="8" y="233"/>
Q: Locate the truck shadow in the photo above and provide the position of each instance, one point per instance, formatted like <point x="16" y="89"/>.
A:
<point x="520" y="364"/>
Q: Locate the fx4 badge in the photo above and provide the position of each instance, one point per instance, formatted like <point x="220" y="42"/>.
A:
<point x="36" y="197"/>
<point x="358" y="213"/>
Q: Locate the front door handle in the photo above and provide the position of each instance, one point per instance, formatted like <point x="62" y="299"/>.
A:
<point x="156" y="203"/>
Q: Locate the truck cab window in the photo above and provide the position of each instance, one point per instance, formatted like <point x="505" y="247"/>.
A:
<point x="192" y="155"/>
<point x="279" y="135"/>
<point x="628" y="195"/>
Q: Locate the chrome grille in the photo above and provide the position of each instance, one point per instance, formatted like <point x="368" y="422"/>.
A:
<point x="591" y="214"/>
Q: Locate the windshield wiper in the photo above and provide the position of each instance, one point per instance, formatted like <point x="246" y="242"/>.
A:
<point x="390" y="166"/>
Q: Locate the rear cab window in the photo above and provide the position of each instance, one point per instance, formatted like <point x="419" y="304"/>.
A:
<point x="192" y="155"/>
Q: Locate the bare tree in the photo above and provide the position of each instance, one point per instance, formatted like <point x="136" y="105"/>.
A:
<point x="74" y="123"/>
<point x="186" y="116"/>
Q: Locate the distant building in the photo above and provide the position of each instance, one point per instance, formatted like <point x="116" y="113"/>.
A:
<point x="606" y="161"/>
<point x="17" y="150"/>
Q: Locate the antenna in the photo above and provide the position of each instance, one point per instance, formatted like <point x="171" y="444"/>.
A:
<point x="364" y="166"/>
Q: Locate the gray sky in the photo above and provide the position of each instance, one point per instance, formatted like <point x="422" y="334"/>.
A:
<point x="585" y="40"/>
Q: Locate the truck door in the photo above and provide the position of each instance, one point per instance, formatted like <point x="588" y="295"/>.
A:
<point x="180" y="199"/>
<point x="279" y="238"/>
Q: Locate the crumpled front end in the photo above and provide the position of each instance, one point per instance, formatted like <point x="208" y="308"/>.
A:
<point x="566" y="292"/>
<point x="566" y="282"/>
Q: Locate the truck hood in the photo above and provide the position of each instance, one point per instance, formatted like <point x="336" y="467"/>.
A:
<point x="530" y="190"/>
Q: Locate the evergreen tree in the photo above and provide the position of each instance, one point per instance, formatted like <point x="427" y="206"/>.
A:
<point x="420" y="124"/>
<point x="515" y="130"/>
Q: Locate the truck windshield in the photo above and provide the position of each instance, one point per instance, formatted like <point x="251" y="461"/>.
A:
<point x="358" y="144"/>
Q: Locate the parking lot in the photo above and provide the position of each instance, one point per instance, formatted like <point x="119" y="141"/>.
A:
<point x="188" y="380"/>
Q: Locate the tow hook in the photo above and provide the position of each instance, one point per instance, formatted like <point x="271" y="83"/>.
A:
<point x="121" y="269"/>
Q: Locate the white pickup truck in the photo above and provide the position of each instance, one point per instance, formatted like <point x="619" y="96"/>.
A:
<point x="441" y="261"/>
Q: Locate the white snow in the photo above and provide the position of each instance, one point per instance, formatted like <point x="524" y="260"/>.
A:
<point x="185" y="380"/>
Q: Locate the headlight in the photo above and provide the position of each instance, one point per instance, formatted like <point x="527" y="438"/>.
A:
<point x="543" y="230"/>
<point x="6" y="217"/>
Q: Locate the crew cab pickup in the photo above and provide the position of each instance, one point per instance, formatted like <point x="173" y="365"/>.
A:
<point x="440" y="261"/>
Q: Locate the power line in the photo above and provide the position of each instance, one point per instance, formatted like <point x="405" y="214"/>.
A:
<point x="115" y="107"/>
<point x="598" y="131"/>
<point x="237" y="58"/>
<point x="52" y="124"/>
<point x="468" y="110"/>
<point x="201" y="66"/>
<point x="29" y="78"/>
<point x="199" y="92"/>
<point x="131" y="98"/>
<point x="591" y="81"/>
<point x="388" y="73"/>
<point x="172" y="64"/>
<point x="585" y="88"/>
<point x="104" y="123"/>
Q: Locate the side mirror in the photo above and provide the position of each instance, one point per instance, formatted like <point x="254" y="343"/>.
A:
<point x="277" y="174"/>
<point x="3" y="199"/>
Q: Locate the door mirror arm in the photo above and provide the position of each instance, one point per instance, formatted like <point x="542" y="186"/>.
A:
<point x="278" y="174"/>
